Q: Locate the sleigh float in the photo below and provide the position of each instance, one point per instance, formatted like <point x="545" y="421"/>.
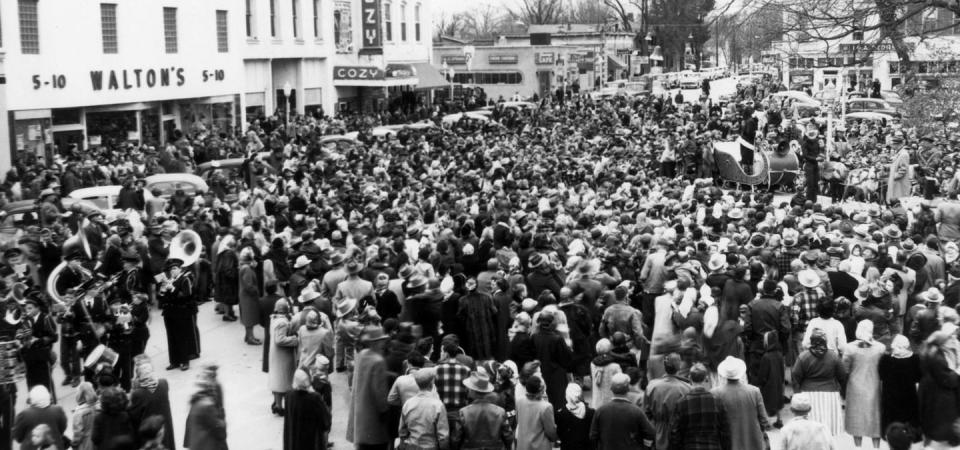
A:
<point x="770" y="169"/>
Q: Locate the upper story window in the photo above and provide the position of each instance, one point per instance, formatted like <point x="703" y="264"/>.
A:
<point x="316" y="19"/>
<point x="416" y="22"/>
<point x="251" y="22"/>
<point x="295" y="7"/>
<point x="108" y="27"/>
<point x="273" y="18"/>
<point x="388" y="21"/>
<point x="170" y="29"/>
<point x="29" y="27"/>
<point x="223" y="45"/>
<point x="403" y="21"/>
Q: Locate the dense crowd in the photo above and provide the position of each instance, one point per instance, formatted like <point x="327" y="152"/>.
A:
<point x="571" y="275"/>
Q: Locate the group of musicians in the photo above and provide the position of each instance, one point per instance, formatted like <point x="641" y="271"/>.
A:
<point x="810" y="155"/>
<point x="100" y="298"/>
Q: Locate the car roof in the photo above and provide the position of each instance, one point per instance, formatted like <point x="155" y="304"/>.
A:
<point x="349" y="137"/>
<point x="868" y="115"/>
<point x="229" y="163"/>
<point x="24" y="206"/>
<point x="96" y="191"/>
<point x="178" y="178"/>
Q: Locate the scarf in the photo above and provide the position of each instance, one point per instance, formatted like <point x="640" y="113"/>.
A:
<point x="574" y="401"/>
<point x="900" y="347"/>
<point x="818" y="343"/>
<point x="145" y="377"/>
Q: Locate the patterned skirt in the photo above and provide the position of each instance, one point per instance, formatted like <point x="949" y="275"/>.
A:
<point x="827" y="408"/>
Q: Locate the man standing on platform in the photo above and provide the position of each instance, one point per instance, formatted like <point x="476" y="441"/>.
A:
<point x="811" y="162"/>
<point x="748" y="134"/>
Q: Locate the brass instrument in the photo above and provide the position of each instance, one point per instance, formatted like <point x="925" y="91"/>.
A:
<point x="186" y="247"/>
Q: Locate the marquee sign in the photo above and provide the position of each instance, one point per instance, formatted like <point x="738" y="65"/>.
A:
<point x="371" y="30"/>
<point x="357" y="73"/>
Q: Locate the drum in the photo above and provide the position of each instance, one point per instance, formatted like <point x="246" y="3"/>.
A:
<point x="12" y="369"/>
<point x="784" y="168"/>
<point x="101" y="355"/>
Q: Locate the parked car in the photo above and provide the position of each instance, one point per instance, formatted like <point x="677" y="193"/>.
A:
<point x="168" y="183"/>
<point x="104" y="197"/>
<point x="871" y="105"/>
<point x="23" y="213"/>
<point x="232" y="167"/>
<point x="689" y="80"/>
<point x="806" y="105"/>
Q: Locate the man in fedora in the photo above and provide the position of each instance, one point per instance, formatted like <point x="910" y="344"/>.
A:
<point x="804" y="307"/>
<point x="423" y="419"/>
<point x="801" y="433"/>
<point x="298" y="279"/>
<point x="368" y="422"/>
<point x="482" y="424"/>
<point x="742" y="403"/>
<point x="923" y="320"/>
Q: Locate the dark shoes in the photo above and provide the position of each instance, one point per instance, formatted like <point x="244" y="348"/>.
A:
<point x="185" y="367"/>
<point x="252" y="341"/>
<point x="172" y="366"/>
<point x="276" y="409"/>
<point x="229" y="318"/>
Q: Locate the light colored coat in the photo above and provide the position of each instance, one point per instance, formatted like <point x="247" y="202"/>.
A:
<point x="898" y="183"/>
<point x="283" y="350"/>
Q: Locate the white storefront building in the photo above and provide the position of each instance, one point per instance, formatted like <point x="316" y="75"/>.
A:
<point x="89" y="73"/>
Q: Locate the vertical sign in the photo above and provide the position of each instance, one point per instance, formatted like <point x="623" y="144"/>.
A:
<point x="372" y="29"/>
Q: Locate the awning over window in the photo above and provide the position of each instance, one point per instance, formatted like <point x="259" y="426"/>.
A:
<point x="429" y="76"/>
<point x="615" y="63"/>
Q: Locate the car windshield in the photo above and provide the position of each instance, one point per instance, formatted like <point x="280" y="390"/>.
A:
<point x="102" y="202"/>
<point x="168" y="188"/>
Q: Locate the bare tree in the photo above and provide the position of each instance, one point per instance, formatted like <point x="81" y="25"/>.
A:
<point x="622" y="10"/>
<point x="538" y="12"/>
<point x="447" y="24"/>
<point x="588" y="11"/>
<point x="483" y="22"/>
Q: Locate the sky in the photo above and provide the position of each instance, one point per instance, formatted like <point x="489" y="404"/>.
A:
<point x="457" y="6"/>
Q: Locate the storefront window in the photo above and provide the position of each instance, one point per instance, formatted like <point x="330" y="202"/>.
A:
<point x="112" y="127"/>
<point x="194" y="119"/>
<point x="66" y="116"/>
<point x="30" y="140"/>
<point x="150" y="127"/>
<point x="222" y="118"/>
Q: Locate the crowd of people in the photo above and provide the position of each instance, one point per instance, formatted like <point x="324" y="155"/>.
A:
<point x="571" y="275"/>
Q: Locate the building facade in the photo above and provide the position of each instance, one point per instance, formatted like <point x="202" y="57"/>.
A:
<point x="88" y="73"/>
<point x="286" y="57"/>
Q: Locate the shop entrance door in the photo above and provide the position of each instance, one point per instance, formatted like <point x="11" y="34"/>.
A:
<point x="544" y="78"/>
<point x="64" y="139"/>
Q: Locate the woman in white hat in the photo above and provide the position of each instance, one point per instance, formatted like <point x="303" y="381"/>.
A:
<point x="861" y="359"/>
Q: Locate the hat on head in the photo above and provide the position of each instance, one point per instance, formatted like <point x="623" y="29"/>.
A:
<point x="808" y="278"/>
<point x="479" y="381"/>
<point x="302" y="261"/>
<point x="717" y="261"/>
<point x="12" y="251"/>
<point x="908" y="245"/>
<point x="951" y="252"/>
<point x="172" y="262"/>
<point x="416" y="281"/>
<point x="346" y="306"/>
<point x="732" y="368"/>
<point x="735" y="214"/>
<point x="800" y="403"/>
<point x="933" y="295"/>
<point x="336" y="259"/>
<point x="353" y="267"/>
<point x="373" y="333"/>
<point x="892" y="232"/>
<point x="537" y="260"/>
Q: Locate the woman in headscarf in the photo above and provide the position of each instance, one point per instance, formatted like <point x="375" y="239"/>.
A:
<point x="39" y="411"/>
<point x="227" y="278"/>
<point x="82" y="419"/>
<point x="820" y="373"/>
<point x="111" y="425"/>
<point x="307" y="418"/>
<point x="860" y="360"/>
<point x="554" y="355"/>
<point x="283" y="344"/>
<point x="899" y="375"/>
<point x="573" y="421"/>
<point x="248" y="291"/>
<point x="879" y="308"/>
<point x="151" y="396"/>
<point x="602" y="369"/>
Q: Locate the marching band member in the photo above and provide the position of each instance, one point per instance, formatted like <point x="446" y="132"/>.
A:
<point x="176" y="298"/>
<point x="37" y="347"/>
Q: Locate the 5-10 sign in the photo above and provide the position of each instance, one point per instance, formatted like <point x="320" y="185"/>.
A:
<point x="55" y="80"/>
<point x="212" y="75"/>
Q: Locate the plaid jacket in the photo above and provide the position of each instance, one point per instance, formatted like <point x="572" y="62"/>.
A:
<point x="699" y="423"/>
<point x="450" y="388"/>
<point x="784" y="258"/>
<point x="804" y="307"/>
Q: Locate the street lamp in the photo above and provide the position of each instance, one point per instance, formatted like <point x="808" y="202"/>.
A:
<point x="648" y="41"/>
<point x="287" y="90"/>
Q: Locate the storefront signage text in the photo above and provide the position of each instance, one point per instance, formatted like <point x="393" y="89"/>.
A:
<point x="357" y="73"/>
<point x="455" y="60"/>
<point x="503" y="59"/>
<point x="400" y="71"/>
<point x="545" y="58"/>
<point x="860" y="48"/>
<point x="371" y="29"/>
<point x="127" y="79"/>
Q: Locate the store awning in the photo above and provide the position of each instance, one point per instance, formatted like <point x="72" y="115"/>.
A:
<point x="615" y="63"/>
<point x="429" y="76"/>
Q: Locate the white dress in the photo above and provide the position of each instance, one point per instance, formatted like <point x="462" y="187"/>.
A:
<point x="836" y="335"/>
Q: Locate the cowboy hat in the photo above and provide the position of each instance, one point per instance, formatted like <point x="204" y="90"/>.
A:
<point x="735" y="214"/>
<point x="346" y="306"/>
<point x="892" y="232"/>
<point x="732" y="368"/>
<point x="808" y="278"/>
<point x="302" y="261"/>
<point x="479" y="381"/>
<point x="717" y="262"/>
<point x="416" y="281"/>
<point x="308" y="296"/>
<point x="933" y="295"/>
<point x="373" y="333"/>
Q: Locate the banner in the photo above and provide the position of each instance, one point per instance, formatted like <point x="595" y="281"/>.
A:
<point x="371" y="29"/>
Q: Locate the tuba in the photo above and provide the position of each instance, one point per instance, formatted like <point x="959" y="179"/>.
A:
<point x="185" y="246"/>
<point x="76" y="246"/>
